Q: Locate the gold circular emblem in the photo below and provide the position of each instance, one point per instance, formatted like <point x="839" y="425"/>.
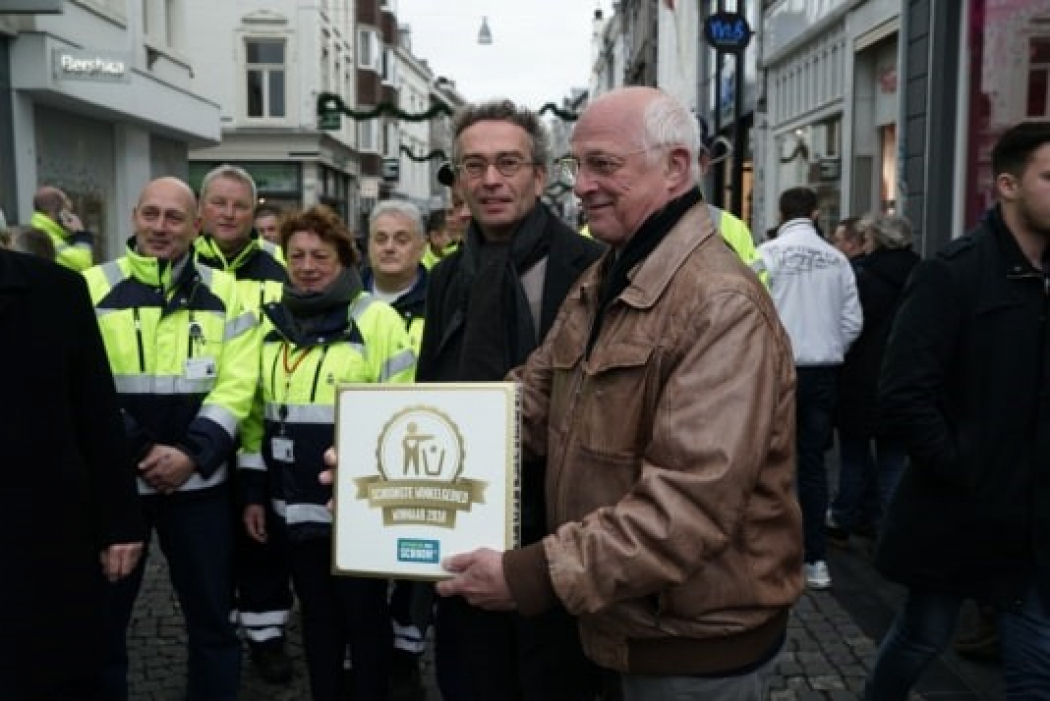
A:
<point x="420" y="442"/>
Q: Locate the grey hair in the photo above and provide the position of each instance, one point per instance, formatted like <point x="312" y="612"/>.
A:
<point x="401" y="207"/>
<point x="230" y="172"/>
<point x="886" y="231"/>
<point x="667" y="122"/>
<point x="504" y="111"/>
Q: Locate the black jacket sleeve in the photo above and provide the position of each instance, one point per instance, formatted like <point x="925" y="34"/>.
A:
<point x="916" y="367"/>
<point x="116" y="510"/>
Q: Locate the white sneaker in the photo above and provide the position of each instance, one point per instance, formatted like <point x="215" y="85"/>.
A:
<point x="817" y="575"/>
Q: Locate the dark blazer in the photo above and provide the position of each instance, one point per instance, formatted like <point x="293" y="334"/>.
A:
<point x="570" y="254"/>
<point x="68" y="485"/>
<point x="965" y="387"/>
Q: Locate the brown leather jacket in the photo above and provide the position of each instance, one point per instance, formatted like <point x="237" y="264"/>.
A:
<point x="677" y="537"/>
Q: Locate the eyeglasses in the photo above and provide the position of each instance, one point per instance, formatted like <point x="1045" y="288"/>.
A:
<point x="507" y="166"/>
<point x="598" y="165"/>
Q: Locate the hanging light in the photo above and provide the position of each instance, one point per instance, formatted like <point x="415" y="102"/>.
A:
<point x="485" y="34"/>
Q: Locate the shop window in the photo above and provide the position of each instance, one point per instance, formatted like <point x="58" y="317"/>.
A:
<point x="368" y="135"/>
<point x="389" y="67"/>
<point x="369" y="52"/>
<point x="160" y="22"/>
<point x="1038" y="77"/>
<point x="1008" y="81"/>
<point x="265" y="71"/>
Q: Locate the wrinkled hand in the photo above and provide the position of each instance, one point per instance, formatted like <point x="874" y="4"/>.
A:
<point x="166" y="468"/>
<point x="255" y="522"/>
<point x="119" y="559"/>
<point x="328" y="476"/>
<point x="479" y="579"/>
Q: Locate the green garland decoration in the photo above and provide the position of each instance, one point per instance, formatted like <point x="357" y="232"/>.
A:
<point x="561" y="114"/>
<point x="330" y="103"/>
<point x="435" y="155"/>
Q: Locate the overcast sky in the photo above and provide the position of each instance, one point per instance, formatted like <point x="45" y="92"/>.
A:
<point x="540" y="48"/>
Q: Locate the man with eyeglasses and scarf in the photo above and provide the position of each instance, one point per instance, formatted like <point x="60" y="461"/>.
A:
<point x="663" y="402"/>
<point x="489" y="304"/>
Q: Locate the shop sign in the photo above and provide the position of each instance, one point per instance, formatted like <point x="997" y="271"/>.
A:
<point x="330" y="121"/>
<point x="391" y="169"/>
<point x="727" y="31"/>
<point x="102" y="66"/>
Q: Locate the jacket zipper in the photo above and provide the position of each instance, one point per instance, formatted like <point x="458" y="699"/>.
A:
<point x="138" y="339"/>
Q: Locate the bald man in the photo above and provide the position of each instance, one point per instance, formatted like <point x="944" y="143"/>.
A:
<point x="663" y="400"/>
<point x="184" y="354"/>
<point x="53" y="214"/>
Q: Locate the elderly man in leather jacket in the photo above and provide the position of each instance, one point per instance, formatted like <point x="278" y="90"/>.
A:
<point x="663" y="400"/>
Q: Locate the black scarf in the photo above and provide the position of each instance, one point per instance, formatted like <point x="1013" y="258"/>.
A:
<point x="499" y="332"/>
<point x="648" y="237"/>
<point x="310" y="310"/>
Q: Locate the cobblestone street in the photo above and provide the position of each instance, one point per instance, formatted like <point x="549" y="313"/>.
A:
<point x="827" y="655"/>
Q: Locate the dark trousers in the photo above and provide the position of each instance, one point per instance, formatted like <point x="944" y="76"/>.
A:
<point x="869" y="470"/>
<point x="338" y="612"/>
<point x="496" y="656"/>
<point x="264" y="593"/>
<point x="196" y="537"/>
<point x="814" y="406"/>
<point x="85" y="689"/>
<point x="412" y="612"/>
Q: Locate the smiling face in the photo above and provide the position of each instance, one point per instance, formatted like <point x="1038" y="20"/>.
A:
<point x="313" y="263"/>
<point x="620" y="182"/>
<point x="497" y="202"/>
<point x="164" y="220"/>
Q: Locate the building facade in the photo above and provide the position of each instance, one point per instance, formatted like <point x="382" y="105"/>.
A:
<point x="414" y="173"/>
<point x="831" y="106"/>
<point x="970" y="70"/>
<point x="97" y="100"/>
<point x="267" y="63"/>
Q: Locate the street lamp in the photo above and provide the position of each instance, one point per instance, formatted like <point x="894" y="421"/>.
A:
<point x="484" y="34"/>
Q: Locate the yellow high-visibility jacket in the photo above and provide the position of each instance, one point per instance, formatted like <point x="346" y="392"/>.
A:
<point x="298" y="378"/>
<point x="184" y="355"/>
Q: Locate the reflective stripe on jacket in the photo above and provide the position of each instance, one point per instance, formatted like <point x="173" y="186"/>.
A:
<point x="259" y="269"/>
<point x="184" y="357"/>
<point x="296" y="402"/>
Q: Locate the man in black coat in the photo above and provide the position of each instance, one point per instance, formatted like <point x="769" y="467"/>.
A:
<point x="966" y="387"/>
<point x="71" y="517"/>
<point x="489" y="304"/>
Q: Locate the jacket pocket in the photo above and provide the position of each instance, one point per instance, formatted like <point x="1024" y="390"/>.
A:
<point x="614" y="413"/>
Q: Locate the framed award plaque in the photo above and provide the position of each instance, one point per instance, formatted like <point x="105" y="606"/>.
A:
<point x="425" y="471"/>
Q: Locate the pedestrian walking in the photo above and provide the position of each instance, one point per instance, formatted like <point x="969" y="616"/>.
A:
<point x="965" y="386"/>
<point x="815" y="292"/>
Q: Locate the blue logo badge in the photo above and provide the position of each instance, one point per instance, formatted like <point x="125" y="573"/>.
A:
<point x="418" y="550"/>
